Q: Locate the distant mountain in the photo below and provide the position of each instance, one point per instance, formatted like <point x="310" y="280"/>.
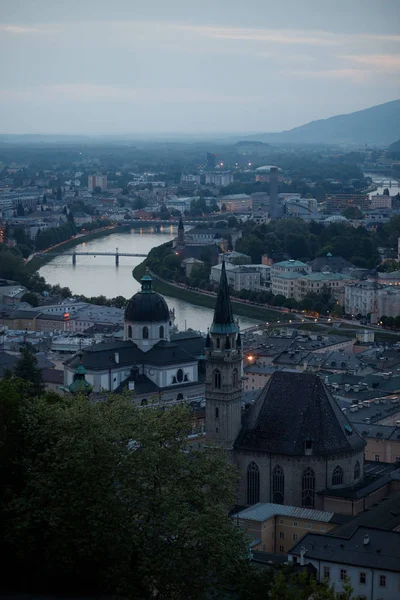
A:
<point x="379" y="125"/>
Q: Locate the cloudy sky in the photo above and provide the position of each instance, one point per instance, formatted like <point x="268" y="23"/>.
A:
<point x="192" y="66"/>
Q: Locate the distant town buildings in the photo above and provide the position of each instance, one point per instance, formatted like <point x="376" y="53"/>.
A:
<point x="338" y="202"/>
<point x="369" y="297"/>
<point x="190" y="182"/>
<point x="97" y="181"/>
<point x="237" y="203"/>
<point x="218" y="178"/>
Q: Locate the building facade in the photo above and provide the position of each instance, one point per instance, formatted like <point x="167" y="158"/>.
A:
<point x="97" y="181"/>
<point x="294" y="442"/>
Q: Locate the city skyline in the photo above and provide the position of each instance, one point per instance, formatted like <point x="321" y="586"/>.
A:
<point x="188" y="68"/>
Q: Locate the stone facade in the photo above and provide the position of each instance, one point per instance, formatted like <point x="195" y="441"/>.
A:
<point x="293" y="469"/>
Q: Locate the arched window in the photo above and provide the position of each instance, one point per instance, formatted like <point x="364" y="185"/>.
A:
<point x="357" y="470"/>
<point x="143" y="402"/>
<point x="179" y="397"/>
<point x="130" y="332"/>
<point x="216" y="412"/>
<point x="161" y="331"/>
<point x="145" y="333"/>
<point x="235" y="377"/>
<point x="217" y="379"/>
<point x="278" y="485"/>
<point x="179" y="375"/>
<point x="253" y="483"/>
<point x="308" y="488"/>
<point x="337" y="475"/>
<point x="218" y="342"/>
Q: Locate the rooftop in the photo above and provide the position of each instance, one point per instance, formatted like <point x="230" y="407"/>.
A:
<point x="265" y="510"/>
<point x="291" y="409"/>
<point x="290" y="263"/>
<point x="382" y="551"/>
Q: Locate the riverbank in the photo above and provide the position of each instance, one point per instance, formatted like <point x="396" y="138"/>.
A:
<point x="38" y="261"/>
<point x="242" y="310"/>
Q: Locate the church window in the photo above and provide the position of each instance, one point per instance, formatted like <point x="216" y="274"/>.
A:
<point x="253" y="483"/>
<point x="179" y="375"/>
<point x="179" y="397"/>
<point x="308" y="444"/>
<point x="145" y="333"/>
<point x="278" y="485"/>
<point x="235" y="377"/>
<point x="216" y="412"/>
<point x="308" y="488"/>
<point x="218" y="342"/>
<point x="143" y="402"/>
<point x="357" y="470"/>
<point x="217" y="379"/>
<point x="130" y="332"/>
<point x="186" y="378"/>
<point x="161" y="331"/>
<point x="337" y="475"/>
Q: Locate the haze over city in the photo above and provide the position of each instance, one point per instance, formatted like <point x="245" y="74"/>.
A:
<point x="184" y="67"/>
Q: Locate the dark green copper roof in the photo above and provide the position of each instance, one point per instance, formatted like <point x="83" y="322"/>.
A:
<point x="223" y="315"/>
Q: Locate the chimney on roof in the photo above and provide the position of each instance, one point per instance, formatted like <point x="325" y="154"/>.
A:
<point x="366" y="539"/>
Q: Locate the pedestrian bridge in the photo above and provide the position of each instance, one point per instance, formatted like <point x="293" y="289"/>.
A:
<point x="116" y="254"/>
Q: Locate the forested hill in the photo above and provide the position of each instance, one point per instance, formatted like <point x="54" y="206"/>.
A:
<point x="378" y="125"/>
<point x="394" y="150"/>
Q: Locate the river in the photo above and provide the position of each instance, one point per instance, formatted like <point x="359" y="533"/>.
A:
<point x="382" y="182"/>
<point x="93" y="276"/>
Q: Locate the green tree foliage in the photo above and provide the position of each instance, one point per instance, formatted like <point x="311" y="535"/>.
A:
<point x="26" y="369"/>
<point x="108" y="500"/>
<point x="353" y="212"/>
<point x="55" y="235"/>
<point x="31" y="298"/>
<point x="305" y="241"/>
<point x="172" y="261"/>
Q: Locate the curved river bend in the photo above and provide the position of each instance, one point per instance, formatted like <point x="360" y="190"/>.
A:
<point x="93" y="276"/>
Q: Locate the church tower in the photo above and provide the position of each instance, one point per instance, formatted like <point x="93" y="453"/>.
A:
<point x="223" y="372"/>
<point x="181" y="233"/>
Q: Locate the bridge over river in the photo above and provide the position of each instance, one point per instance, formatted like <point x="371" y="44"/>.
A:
<point x="116" y="254"/>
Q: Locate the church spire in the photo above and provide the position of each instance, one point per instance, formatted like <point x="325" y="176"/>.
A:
<point x="223" y="315"/>
<point x="181" y="232"/>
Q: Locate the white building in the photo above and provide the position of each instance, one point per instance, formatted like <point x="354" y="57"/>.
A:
<point x="381" y="201"/>
<point x="180" y="204"/>
<point x="218" y="179"/>
<point x="190" y="180"/>
<point x="237" y="203"/>
<point x="146" y="363"/>
<point x="290" y="266"/>
<point x="369" y="559"/>
<point x="240" y="277"/>
<point x="97" y="181"/>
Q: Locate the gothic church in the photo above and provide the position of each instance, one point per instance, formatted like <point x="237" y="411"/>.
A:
<point x="294" y="445"/>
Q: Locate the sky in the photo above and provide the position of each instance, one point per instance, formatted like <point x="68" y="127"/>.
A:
<point x="192" y="67"/>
